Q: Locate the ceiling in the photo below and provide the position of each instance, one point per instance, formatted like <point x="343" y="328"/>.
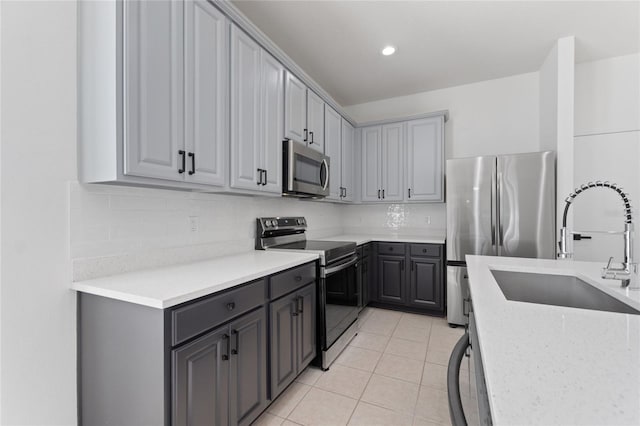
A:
<point x="440" y="43"/>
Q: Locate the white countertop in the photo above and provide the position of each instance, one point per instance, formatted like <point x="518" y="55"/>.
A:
<point x="554" y="365"/>
<point x="169" y="286"/>
<point x="360" y="239"/>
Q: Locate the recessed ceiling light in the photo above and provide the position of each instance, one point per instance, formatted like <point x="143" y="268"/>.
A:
<point x="389" y="50"/>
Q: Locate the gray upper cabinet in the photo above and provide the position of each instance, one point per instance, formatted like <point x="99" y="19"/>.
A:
<point x="333" y="149"/>
<point x="256" y="116"/>
<point x="339" y="146"/>
<point x="153" y="89"/>
<point x="272" y="103"/>
<point x="425" y="159"/>
<point x="206" y="89"/>
<point x="403" y="161"/>
<point x="245" y="111"/>
<point x="153" y="94"/>
<point x="295" y="116"/>
<point x="382" y="160"/>
<point x="392" y="160"/>
<point x="303" y="114"/>
<point x="371" y="172"/>
<point x="348" y="157"/>
<point x="315" y="121"/>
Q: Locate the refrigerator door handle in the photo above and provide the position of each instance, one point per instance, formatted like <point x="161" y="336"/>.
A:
<point x="499" y="210"/>
<point x="494" y="209"/>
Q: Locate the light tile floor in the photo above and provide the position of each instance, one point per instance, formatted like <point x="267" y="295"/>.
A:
<point x="392" y="373"/>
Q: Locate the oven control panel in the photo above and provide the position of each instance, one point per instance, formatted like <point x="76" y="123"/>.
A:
<point x="281" y="223"/>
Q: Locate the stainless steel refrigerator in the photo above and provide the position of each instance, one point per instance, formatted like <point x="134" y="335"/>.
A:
<point x="497" y="206"/>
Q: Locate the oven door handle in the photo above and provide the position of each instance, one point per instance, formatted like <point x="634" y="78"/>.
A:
<point x="345" y="265"/>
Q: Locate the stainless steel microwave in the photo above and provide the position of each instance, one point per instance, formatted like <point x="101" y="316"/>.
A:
<point x="305" y="171"/>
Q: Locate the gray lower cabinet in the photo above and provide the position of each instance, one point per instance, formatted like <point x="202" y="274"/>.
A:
<point x="204" y="362"/>
<point x="409" y="275"/>
<point x="248" y="375"/>
<point x="425" y="290"/>
<point x="201" y="381"/>
<point x="391" y="279"/>
<point x="221" y="378"/>
<point x="293" y="336"/>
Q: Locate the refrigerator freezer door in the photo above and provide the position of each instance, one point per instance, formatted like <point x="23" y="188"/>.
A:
<point x="457" y="292"/>
<point x="526" y="205"/>
<point x="471" y="207"/>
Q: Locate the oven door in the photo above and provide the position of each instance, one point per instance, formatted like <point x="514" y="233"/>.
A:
<point x="306" y="172"/>
<point x="341" y="297"/>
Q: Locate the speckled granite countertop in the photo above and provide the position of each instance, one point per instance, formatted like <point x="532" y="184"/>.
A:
<point x="554" y="365"/>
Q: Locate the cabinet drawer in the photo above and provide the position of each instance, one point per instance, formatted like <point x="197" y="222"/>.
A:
<point x="195" y="318"/>
<point x="391" y="248"/>
<point x="288" y="281"/>
<point x="428" y="250"/>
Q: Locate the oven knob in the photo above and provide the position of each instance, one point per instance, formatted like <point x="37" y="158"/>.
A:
<point x="273" y="222"/>
<point x="299" y="221"/>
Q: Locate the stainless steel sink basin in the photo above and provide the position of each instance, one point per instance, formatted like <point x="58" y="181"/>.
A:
<point x="558" y="290"/>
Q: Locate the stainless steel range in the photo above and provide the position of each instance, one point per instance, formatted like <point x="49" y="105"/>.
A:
<point x="339" y="294"/>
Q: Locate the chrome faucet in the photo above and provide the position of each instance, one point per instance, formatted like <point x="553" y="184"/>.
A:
<point x="628" y="272"/>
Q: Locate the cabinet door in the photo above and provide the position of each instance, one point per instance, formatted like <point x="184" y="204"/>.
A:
<point x="393" y="162"/>
<point x="306" y="326"/>
<point x="245" y="111"/>
<point x="425" y="159"/>
<point x="248" y="381"/>
<point x="333" y="149"/>
<point x="206" y="88"/>
<point x="371" y="169"/>
<point x="153" y="89"/>
<point x="347" y="160"/>
<point x="364" y="280"/>
<point x="391" y="279"/>
<point x="425" y="284"/>
<point x="283" y="336"/>
<point x="200" y="385"/>
<point x="295" y="108"/>
<point x="272" y="104"/>
<point x="315" y="121"/>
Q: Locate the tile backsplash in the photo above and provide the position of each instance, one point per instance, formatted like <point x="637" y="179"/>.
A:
<point x="400" y="219"/>
<point x="118" y="229"/>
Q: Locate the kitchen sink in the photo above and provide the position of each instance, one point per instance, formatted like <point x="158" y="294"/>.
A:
<point x="558" y="290"/>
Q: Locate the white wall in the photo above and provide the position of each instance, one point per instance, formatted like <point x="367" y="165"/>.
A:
<point x="607" y="147"/>
<point x="38" y="329"/>
<point x="557" y="77"/>
<point x="490" y="117"/>
<point x="119" y="229"/>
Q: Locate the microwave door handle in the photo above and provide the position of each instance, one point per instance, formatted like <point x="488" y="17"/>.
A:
<point x="324" y="166"/>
